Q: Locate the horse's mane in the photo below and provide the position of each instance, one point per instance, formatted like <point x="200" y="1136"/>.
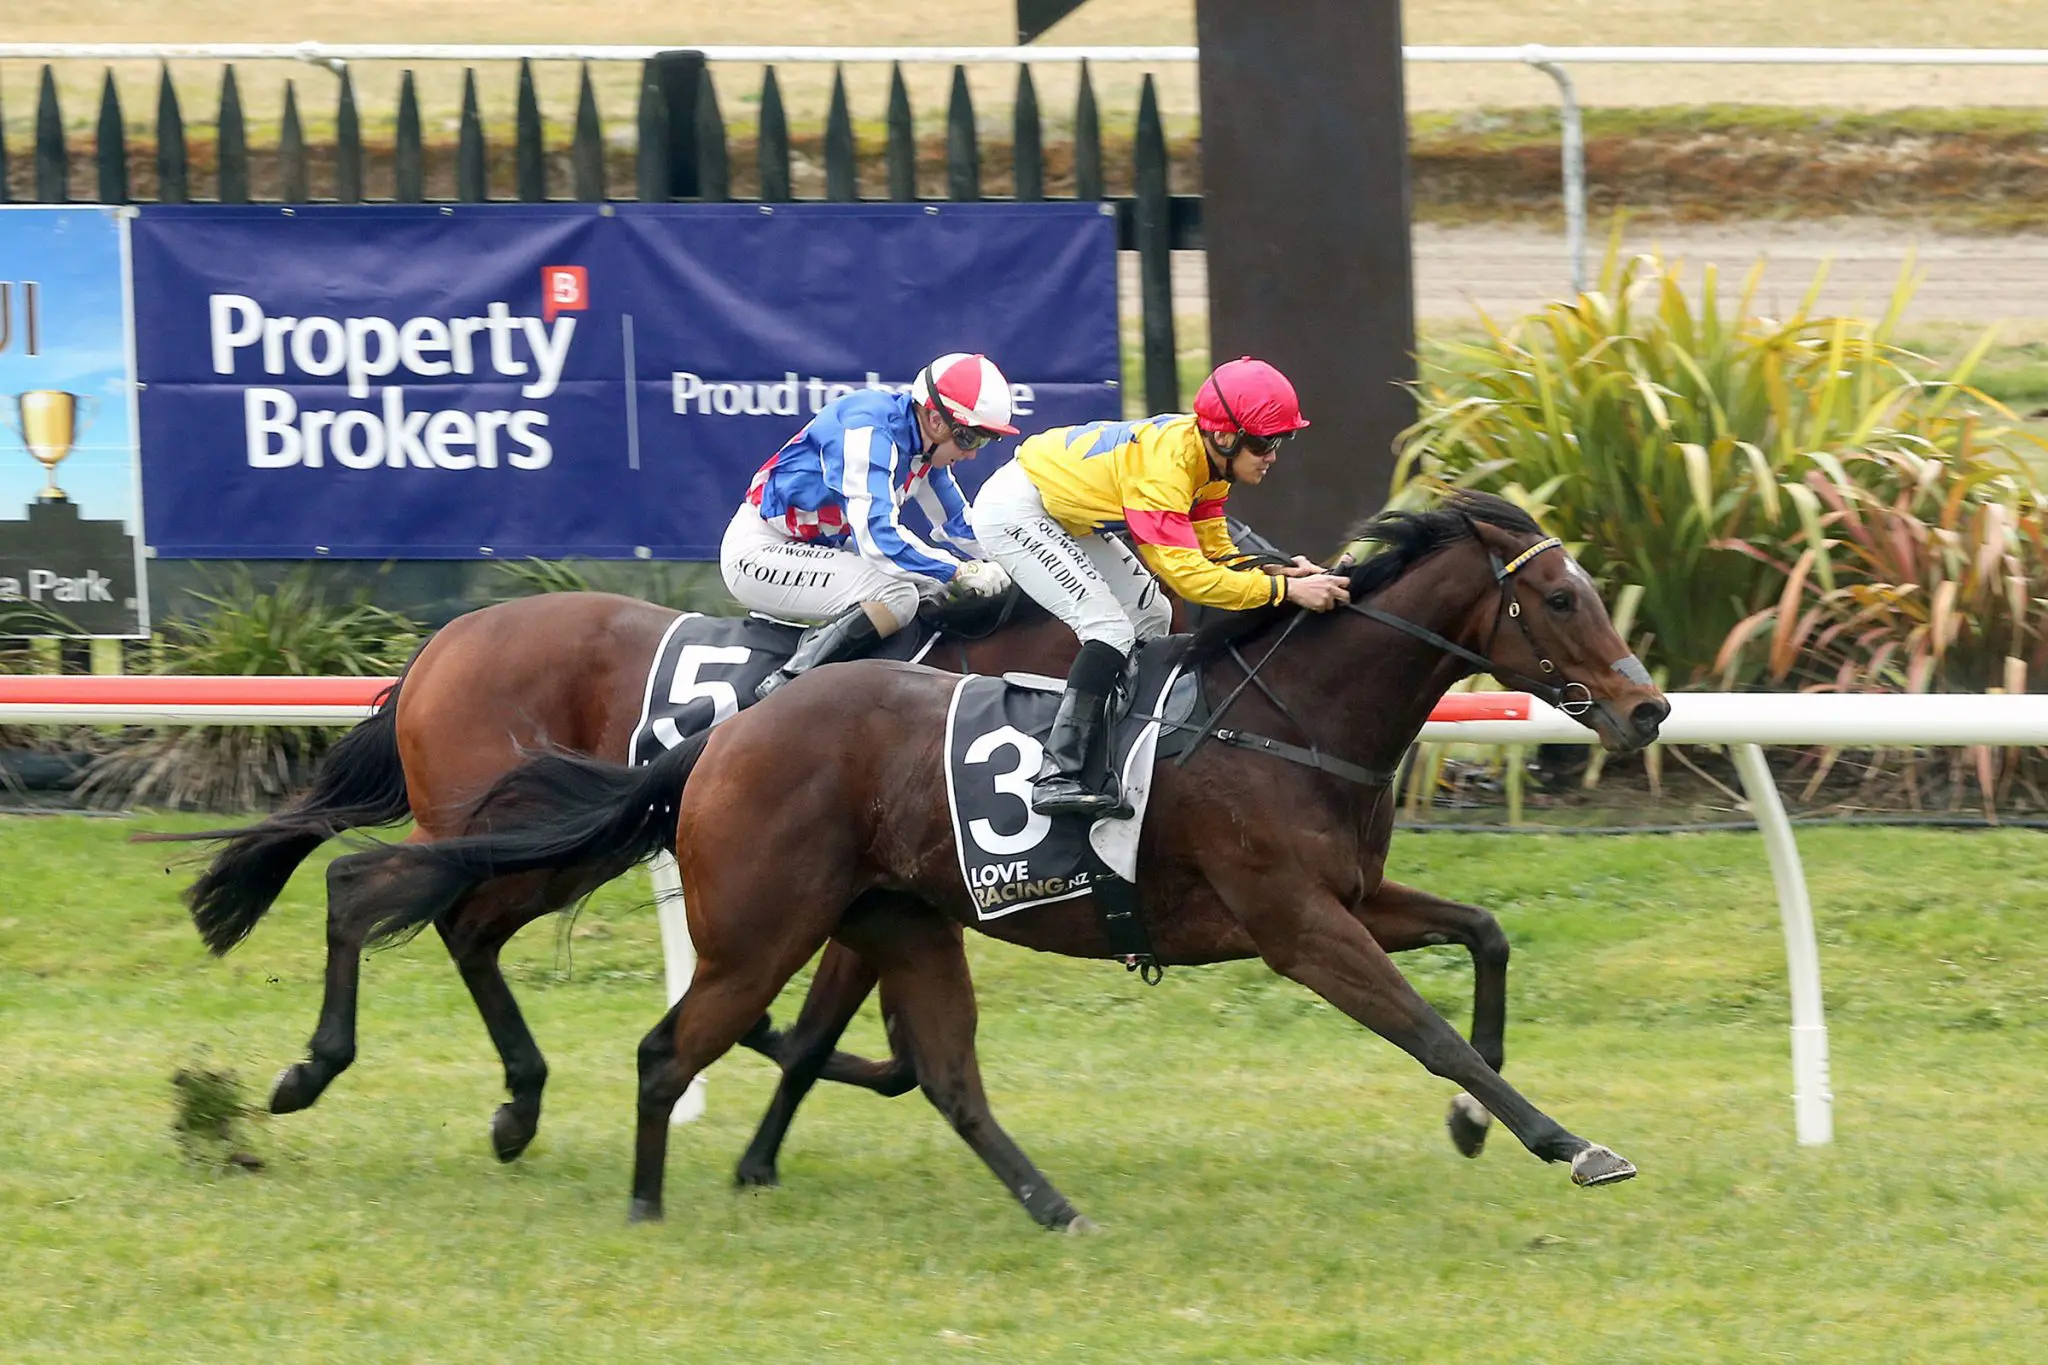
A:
<point x="1408" y="538"/>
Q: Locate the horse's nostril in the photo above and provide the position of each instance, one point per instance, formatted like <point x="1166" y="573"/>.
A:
<point x="1648" y="715"/>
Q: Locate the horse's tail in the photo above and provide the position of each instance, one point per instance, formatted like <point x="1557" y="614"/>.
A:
<point x="549" y="814"/>
<point x="359" y="783"/>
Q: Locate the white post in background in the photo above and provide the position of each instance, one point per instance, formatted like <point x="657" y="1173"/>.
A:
<point x="680" y="957"/>
<point x="1812" y="1100"/>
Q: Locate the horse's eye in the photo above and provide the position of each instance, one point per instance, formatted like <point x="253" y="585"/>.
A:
<point x="1559" y="601"/>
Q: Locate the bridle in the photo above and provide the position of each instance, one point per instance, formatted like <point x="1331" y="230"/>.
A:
<point x="1573" y="698"/>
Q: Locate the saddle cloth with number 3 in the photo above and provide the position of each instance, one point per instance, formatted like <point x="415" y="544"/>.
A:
<point x="1011" y="857"/>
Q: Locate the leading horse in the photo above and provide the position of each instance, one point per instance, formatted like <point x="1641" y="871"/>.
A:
<point x="1243" y="854"/>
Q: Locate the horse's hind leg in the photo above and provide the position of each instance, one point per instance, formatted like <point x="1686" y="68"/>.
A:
<point x="836" y="971"/>
<point x="806" y="1055"/>
<point x="474" y="934"/>
<point x="924" y="973"/>
<point x="1400" y="918"/>
<point x="354" y="903"/>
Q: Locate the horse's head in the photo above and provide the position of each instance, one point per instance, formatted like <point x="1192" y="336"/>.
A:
<point x="1546" y="630"/>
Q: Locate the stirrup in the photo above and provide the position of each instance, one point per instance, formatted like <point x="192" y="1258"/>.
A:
<point x="1063" y="795"/>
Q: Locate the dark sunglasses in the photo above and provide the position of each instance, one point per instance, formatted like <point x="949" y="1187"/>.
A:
<point x="971" y="438"/>
<point x="1260" y="445"/>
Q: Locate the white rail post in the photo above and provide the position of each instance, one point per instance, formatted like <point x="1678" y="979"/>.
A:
<point x="680" y="959"/>
<point x="1812" y="1100"/>
<point x="1572" y="131"/>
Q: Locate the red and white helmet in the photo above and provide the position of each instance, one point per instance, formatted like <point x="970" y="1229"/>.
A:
<point x="967" y="389"/>
<point x="1250" y="396"/>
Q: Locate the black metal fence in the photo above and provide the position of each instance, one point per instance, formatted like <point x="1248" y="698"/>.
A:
<point x="681" y="153"/>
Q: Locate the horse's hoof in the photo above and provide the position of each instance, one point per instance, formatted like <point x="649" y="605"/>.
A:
<point x="1599" y="1166"/>
<point x="1469" y="1123"/>
<point x="644" y="1211"/>
<point x="509" y="1134"/>
<point x="1082" y="1226"/>
<point x="756" y="1176"/>
<point x="296" y="1088"/>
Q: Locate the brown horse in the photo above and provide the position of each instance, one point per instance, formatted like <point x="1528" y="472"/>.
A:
<point x="561" y="672"/>
<point x="1243" y="854"/>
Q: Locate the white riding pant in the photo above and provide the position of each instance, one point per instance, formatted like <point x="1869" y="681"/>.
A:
<point x="1095" y="583"/>
<point x="771" y="573"/>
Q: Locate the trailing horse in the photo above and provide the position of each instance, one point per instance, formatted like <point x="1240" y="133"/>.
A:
<point x="822" y="815"/>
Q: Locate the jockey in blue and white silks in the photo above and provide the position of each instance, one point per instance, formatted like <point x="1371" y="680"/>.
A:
<point x="820" y="535"/>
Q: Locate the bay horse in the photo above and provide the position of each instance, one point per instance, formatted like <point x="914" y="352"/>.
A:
<point x="821" y="816"/>
<point x="559" y="672"/>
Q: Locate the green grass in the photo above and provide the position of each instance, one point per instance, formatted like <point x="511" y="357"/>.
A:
<point x="1275" y="1183"/>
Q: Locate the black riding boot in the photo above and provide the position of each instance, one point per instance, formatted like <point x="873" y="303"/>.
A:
<point x="846" y="636"/>
<point x="1076" y="779"/>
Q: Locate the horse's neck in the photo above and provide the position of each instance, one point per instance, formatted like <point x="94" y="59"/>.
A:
<point x="1363" y="692"/>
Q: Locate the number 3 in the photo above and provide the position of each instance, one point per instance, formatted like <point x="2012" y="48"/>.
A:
<point x="1015" y="782"/>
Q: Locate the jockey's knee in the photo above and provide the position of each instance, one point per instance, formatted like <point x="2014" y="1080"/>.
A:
<point x="1153" y="617"/>
<point x="898" y="601"/>
<point x="1119" y="634"/>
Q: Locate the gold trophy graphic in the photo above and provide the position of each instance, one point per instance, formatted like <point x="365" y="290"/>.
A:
<point x="48" y="423"/>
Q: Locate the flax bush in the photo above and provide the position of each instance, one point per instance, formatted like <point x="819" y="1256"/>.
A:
<point x="1702" y="452"/>
<point x="291" y="629"/>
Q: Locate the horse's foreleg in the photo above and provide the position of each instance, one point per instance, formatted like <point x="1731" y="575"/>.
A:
<point x="806" y="1055"/>
<point x="1401" y="918"/>
<point x="474" y="934"/>
<point x="1330" y="952"/>
<point x="926" y="982"/>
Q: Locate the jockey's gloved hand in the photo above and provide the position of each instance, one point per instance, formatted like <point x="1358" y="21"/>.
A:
<point x="981" y="578"/>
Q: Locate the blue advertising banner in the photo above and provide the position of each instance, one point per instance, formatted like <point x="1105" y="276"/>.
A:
<point x="489" y="380"/>
<point x="70" y="562"/>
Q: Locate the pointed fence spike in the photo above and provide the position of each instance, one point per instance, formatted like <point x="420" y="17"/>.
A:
<point x="173" y="170"/>
<point x="1087" y="142"/>
<point x="528" y="155"/>
<point x="842" y="172"/>
<point x="902" y="145"/>
<point x="1027" y="150"/>
<point x="472" y="184"/>
<point x="53" y="160"/>
<point x="714" y="170"/>
<point x="348" y="146"/>
<point x="231" y="141"/>
<point x="408" y="157"/>
<point x="772" y="146"/>
<point x="1153" y="228"/>
<point x="294" y="179"/>
<point x="111" y="150"/>
<point x="963" y="150"/>
<point x="586" y="148"/>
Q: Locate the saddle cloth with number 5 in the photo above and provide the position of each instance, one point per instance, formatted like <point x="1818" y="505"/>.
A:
<point x="1011" y="857"/>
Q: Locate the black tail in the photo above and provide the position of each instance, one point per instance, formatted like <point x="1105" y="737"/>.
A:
<point x="359" y="783"/>
<point x="548" y="814"/>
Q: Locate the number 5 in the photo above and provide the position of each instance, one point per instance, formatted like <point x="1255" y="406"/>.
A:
<point x="725" y="702"/>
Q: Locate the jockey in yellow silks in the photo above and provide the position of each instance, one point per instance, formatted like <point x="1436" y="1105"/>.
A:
<point x="1163" y="481"/>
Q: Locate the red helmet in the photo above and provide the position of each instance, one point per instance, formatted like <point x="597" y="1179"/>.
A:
<point x="1250" y="396"/>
